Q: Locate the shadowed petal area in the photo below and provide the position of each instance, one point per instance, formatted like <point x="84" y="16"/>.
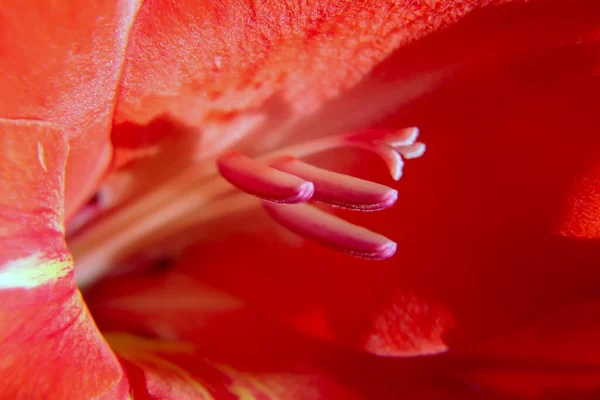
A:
<point x="49" y="345"/>
<point x="61" y="62"/>
<point x="324" y="294"/>
<point x="554" y="355"/>
<point x="168" y="370"/>
<point x="236" y="353"/>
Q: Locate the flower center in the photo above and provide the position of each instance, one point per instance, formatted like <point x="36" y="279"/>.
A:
<point x="279" y="181"/>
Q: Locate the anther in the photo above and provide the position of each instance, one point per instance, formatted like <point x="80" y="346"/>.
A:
<point x="262" y="181"/>
<point x="310" y="222"/>
<point x="339" y="189"/>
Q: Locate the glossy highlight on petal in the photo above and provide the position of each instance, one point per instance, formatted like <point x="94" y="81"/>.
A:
<point x="341" y="190"/>
<point x="263" y="181"/>
<point x="332" y="231"/>
<point x="62" y="62"/>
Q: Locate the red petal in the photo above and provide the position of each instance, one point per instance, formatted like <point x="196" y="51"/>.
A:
<point x="49" y="345"/>
<point x="203" y="64"/>
<point x="61" y="62"/>
<point x="325" y="294"/>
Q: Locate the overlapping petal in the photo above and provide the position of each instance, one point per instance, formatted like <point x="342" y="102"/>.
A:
<point x="61" y="62"/>
<point x="49" y="345"/>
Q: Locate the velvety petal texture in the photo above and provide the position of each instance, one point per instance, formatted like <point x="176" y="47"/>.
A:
<point x="49" y="346"/>
<point x="61" y="62"/>
<point x="189" y="60"/>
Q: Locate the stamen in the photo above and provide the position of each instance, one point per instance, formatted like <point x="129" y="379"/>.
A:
<point x="331" y="231"/>
<point x="263" y="181"/>
<point x="339" y="189"/>
<point x="197" y="193"/>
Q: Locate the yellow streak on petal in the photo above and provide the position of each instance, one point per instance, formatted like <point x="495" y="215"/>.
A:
<point x="33" y="271"/>
<point x="126" y="343"/>
<point x="142" y="351"/>
<point x="243" y="391"/>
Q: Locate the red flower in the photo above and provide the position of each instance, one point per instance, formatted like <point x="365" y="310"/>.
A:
<point x="496" y="229"/>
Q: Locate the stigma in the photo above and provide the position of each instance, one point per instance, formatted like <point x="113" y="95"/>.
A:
<point x="301" y="197"/>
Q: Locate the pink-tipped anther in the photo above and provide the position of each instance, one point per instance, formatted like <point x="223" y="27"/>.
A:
<point x="334" y="232"/>
<point x="338" y="189"/>
<point x="263" y="181"/>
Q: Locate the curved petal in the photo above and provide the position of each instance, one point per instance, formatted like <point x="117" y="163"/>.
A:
<point x="564" y="336"/>
<point x="61" y="62"/>
<point x="49" y="345"/>
<point x="270" y="58"/>
<point x="272" y="65"/>
<point x="203" y="65"/>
